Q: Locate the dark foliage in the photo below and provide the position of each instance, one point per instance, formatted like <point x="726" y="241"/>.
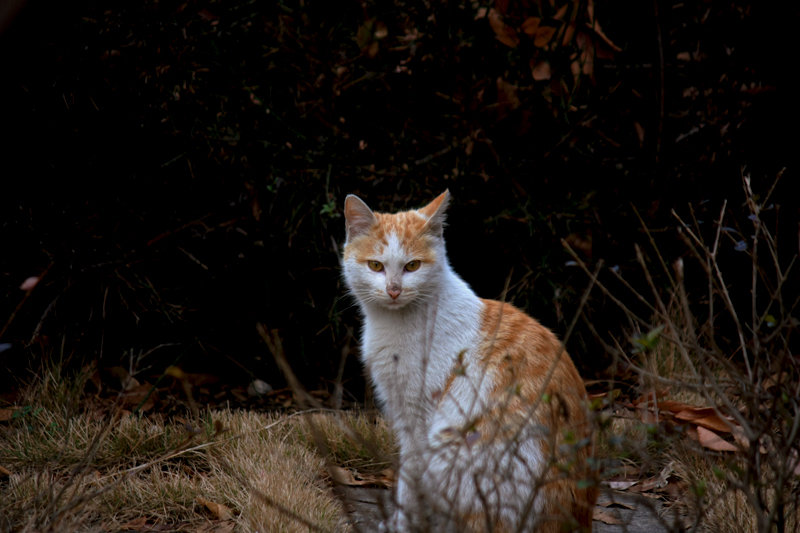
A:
<point x="177" y="169"/>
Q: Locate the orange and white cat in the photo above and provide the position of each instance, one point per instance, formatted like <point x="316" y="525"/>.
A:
<point x="487" y="407"/>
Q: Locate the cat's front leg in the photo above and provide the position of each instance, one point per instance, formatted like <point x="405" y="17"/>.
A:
<point x="397" y="521"/>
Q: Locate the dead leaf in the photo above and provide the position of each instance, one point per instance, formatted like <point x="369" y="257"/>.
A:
<point x="595" y="26"/>
<point x="4" y="472"/>
<point x="504" y="33"/>
<point x="530" y="25"/>
<point x="541" y="71"/>
<point x="561" y="12"/>
<point x="142" y="396"/>
<point x="351" y="478"/>
<point x="219" y="510"/>
<point x="585" y="64"/>
<point x="603" y="37"/>
<point x="29" y="283"/>
<point x="543" y="36"/>
<point x="507" y="96"/>
<point x="381" y="31"/>
<point x="622" y="485"/>
<point x="387" y="477"/>
<point x="343" y="476"/>
<point x="569" y="33"/>
<point x="659" y="481"/>
<point x="605" y="517"/>
<point x="740" y="438"/>
<point x="712" y="441"/>
<point x="125" y="379"/>
<point x="612" y="503"/>
<point x="7" y="413"/>
<point x="175" y="372"/>
<point x="639" y="132"/>
<point x="707" y="417"/>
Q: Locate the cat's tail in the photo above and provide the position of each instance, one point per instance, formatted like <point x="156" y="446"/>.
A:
<point x="583" y="508"/>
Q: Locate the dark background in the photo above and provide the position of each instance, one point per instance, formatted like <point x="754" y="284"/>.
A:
<point x="176" y="170"/>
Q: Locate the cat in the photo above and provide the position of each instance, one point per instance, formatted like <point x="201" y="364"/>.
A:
<point x="488" y="409"/>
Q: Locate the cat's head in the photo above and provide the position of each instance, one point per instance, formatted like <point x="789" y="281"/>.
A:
<point x="394" y="260"/>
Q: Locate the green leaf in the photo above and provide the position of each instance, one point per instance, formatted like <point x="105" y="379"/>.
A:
<point x="647" y="341"/>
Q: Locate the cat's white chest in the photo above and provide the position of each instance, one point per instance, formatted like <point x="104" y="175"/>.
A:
<point x="410" y="356"/>
<point x="401" y="357"/>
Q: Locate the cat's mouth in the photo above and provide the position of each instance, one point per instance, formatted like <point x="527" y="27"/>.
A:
<point x="395" y="303"/>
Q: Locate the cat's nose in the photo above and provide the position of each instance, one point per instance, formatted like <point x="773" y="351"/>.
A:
<point x="393" y="291"/>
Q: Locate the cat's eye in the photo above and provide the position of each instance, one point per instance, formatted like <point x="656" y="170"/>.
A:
<point x="375" y="266"/>
<point x="411" y="266"/>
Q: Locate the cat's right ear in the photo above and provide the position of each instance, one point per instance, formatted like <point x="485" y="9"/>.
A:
<point x="358" y="217"/>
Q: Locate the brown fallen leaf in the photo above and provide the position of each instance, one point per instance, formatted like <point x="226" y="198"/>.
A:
<point x="712" y="441"/>
<point x="569" y="33"/>
<point x="541" y="71"/>
<point x="706" y="417"/>
<point x="543" y="35"/>
<point x="561" y="12"/>
<point x="612" y="503"/>
<point x="621" y="485"/>
<point x="7" y="413"/>
<point x="4" y="472"/>
<point x="29" y="283"/>
<point x="507" y="97"/>
<point x="605" y="517"/>
<point x="219" y="510"/>
<point x="504" y="33"/>
<point x="657" y="482"/>
<point x="142" y="396"/>
<point x="530" y="25"/>
<point x="603" y="37"/>
<point x="386" y="478"/>
<point x="343" y="476"/>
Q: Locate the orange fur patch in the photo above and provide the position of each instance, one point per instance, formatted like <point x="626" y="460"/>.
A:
<point x="409" y="228"/>
<point x="535" y="380"/>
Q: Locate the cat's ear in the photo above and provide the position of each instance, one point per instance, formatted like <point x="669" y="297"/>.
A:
<point x="358" y="217"/>
<point x="435" y="213"/>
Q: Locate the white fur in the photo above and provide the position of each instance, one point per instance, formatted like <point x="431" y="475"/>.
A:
<point x="411" y="347"/>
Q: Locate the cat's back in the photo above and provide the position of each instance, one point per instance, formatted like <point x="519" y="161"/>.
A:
<point x="536" y="385"/>
<point x="527" y="358"/>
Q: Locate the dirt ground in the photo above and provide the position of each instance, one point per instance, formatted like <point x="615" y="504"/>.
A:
<point x="630" y="513"/>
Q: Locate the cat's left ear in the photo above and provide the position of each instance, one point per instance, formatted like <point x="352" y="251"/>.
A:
<point x="435" y="213"/>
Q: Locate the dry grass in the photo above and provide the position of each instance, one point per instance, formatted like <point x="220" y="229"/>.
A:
<point x="716" y="504"/>
<point x="726" y="348"/>
<point x="72" y="469"/>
